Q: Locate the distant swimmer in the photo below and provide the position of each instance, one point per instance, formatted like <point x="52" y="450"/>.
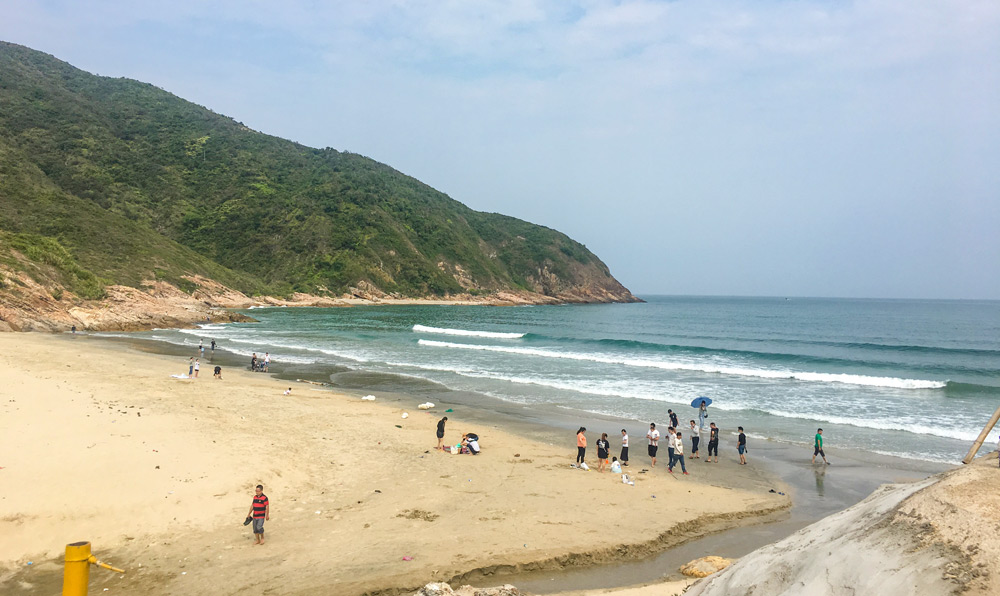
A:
<point x="818" y="447"/>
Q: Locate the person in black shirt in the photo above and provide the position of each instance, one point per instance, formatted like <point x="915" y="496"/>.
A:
<point x="741" y="446"/>
<point x="673" y="418"/>
<point x="713" y="443"/>
<point x="602" y="452"/>
<point x="440" y="432"/>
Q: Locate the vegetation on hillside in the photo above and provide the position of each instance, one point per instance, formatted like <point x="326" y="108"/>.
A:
<point x="117" y="181"/>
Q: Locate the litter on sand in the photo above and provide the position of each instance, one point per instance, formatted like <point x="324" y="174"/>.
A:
<point x="368" y="398"/>
<point x="405" y="415"/>
<point x="425" y="406"/>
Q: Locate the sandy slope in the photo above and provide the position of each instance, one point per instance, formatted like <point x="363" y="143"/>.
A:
<point x="100" y="444"/>
<point x="934" y="537"/>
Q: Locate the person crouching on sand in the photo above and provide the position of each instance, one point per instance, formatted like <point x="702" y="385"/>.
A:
<point x="602" y="452"/>
<point x="440" y="432"/>
<point x="581" y="444"/>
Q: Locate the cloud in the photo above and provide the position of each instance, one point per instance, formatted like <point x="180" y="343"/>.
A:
<point x="635" y="126"/>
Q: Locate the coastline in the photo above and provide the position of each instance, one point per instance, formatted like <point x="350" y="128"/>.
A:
<point x="156" y="471"/>
<point x="611" y="561"/>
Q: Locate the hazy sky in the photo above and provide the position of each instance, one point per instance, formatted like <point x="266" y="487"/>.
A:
<point x="789" y="148"/>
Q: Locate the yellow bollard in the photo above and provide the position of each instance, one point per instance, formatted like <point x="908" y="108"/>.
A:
<point x="76" y="575"/>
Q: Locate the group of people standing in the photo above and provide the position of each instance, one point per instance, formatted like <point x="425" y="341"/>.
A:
<point x="675" y="444"/>
<point x="260" y="364"/>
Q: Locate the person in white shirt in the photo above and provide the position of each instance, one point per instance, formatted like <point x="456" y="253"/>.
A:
<point x="654" y="442"/>
<point x="678" y="454"/>
<point x="624" y="455"/>
<point x="616" y="468"/>
<point x="695" y="440"/>
<point x="671" y="445"/>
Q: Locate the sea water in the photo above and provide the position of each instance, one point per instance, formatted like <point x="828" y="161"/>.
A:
<point x="909" y="378"/>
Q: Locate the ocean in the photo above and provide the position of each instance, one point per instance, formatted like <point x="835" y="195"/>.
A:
<point x="909" y="378"/>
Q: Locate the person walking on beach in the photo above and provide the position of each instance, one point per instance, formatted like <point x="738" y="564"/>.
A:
<point x="624" y="454"/>
<point x="818" y="447"/>
<point x="253" y="362"/>
<point x="678" y="454"/>
<point x="191" y="366"/>
<point x="741" y="446"/>
<point x="602" y="452"/>
<point x="260" y="511"/>
<point x="695" y="439"/>
<point x="197" y="367"/>
<point x="581" y="445"/>
<point x="213" y="347"/>
<point x="267" y="361"/>
<point x="713" y="443"/>
<point x="653" y="436"/>
<point x="201" y="347"/>
<point x="702" y="414"/>
<point x="440" y="432"/>
<point x="673" y="418"/>
<point x="671" y="445"/>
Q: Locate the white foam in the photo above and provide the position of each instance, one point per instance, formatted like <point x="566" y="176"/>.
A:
<point x="705" y="368"/>
<point x="467" y="333"/>
<point x="879" y="424"/>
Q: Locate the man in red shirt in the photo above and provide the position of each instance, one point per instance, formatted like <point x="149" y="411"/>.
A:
<point x="260" y="510"/>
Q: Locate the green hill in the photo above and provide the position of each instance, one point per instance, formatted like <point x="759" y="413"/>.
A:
<point x="107" y="180"/>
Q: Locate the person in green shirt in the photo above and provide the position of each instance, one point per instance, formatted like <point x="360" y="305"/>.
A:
<point x="819" y="447"/>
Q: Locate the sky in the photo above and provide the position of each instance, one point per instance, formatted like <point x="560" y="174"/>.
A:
<point x="717" y="147"/>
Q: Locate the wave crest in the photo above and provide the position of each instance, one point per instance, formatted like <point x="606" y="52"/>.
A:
<point x="705" y="368"/>
<point x="467" y="333"/>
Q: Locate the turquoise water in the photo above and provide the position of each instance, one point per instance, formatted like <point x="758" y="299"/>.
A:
<point x="909" y="378"/>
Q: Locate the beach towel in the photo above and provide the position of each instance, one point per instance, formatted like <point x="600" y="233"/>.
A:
<point x="181" y="376"/>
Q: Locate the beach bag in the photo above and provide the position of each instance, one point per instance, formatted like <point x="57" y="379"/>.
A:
<point x="455" y="449"/>
<point x="584" y="466"/>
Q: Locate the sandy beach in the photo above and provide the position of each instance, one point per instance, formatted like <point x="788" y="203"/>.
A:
<point x="99" y="443"/>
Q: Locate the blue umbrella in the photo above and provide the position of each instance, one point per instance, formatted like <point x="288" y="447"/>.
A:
<point x="697" y="402"/>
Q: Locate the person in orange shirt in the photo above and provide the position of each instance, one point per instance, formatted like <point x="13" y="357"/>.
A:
<point x="581" y="444"/>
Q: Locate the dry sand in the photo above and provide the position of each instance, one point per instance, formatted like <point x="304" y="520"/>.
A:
<point x="101" y="444"/>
